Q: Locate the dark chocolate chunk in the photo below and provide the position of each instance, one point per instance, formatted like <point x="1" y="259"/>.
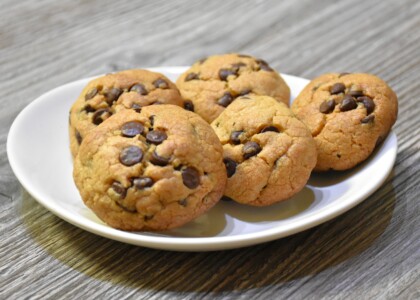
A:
<point x="89" y="109"/>
<point x="348" y="103"/>
<point x="156" y="137"/>
<point x="337" y="88"/>
<point x="112" y="95"/>
<point x="191" y="76"/>
<point x="235" y="137"/>
<point x="139" y="88"/>
<point x="101" y="115"/>
<point x="141" y="183"/>
<point x="225" y="73"/>
<point x="78" y="137"/>
<point x="230" y="166"/>
<point x="131" y="155"/>
<point x="355" y="91"/>
<point x="368" y="103"/>
<point x="368" y="119"/>
<point x="131" y="129"/>
<point x="264" y="65"/>
<point x="92" y="93"/>
<point x="250" y="149"/>
<point x="119" y="189"/>
<point x="190" y="177"/>
<point x="161" y="84"/>
<point x="327" y="107"/>
<point x="152" y="120"/>
<point x="158" y="160"/>
<point x="188" y="105"/>
<point x="136" y="107"/>
<point x="269" y="128"/>
<point x="225" y="100"/>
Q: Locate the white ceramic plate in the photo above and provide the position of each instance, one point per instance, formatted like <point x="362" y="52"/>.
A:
<point x="38" y="151"/>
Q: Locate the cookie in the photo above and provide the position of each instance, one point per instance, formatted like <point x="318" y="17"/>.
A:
<point x="111" y="93"/>
<point x="153" y="170"/>
<point x="269" y="154"/>
<point x="211" y="84"/>
<point x="348" y="115"/>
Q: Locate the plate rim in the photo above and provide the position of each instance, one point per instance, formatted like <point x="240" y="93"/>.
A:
<point x="189" y="243"/>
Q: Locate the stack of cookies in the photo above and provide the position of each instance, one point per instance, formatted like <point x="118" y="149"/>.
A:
<point x="152" y="155"/>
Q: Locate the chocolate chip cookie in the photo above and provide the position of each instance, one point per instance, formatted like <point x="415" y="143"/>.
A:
<point x="111" y="93"/>
<point x="348" y="115"/>
<point x="211" y="84"/>
<point x="269" y="154"/>
<point x="153" y="170"/>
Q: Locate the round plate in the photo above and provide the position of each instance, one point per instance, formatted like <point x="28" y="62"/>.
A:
<point x="38" y="151"/>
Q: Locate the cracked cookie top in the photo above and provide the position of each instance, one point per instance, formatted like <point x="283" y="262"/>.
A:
<point x="212" y="84"/>
<point x="348" y="115"/>
<point x="152" y="170"/>
<point x="106" y="95"/>
<point x="268" y="153"/>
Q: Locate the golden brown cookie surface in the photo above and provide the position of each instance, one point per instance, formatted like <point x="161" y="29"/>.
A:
<point x="348" y="114"/>
<point x="210" y="85"/>
<point x="269" y="154"/>
<point x="153" y="170"/>
<point x="111" y="93"/>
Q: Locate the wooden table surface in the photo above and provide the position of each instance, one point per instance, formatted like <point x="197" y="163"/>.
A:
<point x="370" y="252"/>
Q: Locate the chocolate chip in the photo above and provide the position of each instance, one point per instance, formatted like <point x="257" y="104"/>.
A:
<point x="225" y="73"/>
<point x="131" y="155"/>
<point x="190" y="177"/>
<point x="348" y="103"/>
<point x="230" y="166"/>
<point x="148" y="217"/>
<point x="152" y="120"/>
<point x="343" y="74"/>
<point x="183" y="202"/>
<point x="250" y="149"/>
<point x="337" y="88"/>
<point x="141" y="183"/>
<point x="355" y="91"/>
<point x="136" y="107"/>
<point x="269" y="128"/>
<point x="235" y="137"/>
<point x="225" y="100"/>
<point x="192" y="76"/>
<point x="368" y="119"/>
<point x="139" y="88"/>
<point x="264" y="65"/>
<point x="161" y="84"/>
<point x="101" y="115"/>
<point x="244" y="55"/>
<point x="368" y="103"/>
<point x="112" y="95"/>
<point x="158" y="160"/>
<point x="188" y="105"/>
<point x="88" y="109"/>
<point x="237" y="66"/>
<point x="131" y="129"/>
<point x="78" y="137"/>
<point x="156" y="137"/>
<point x="92" y="93"/>
<point x="119" y="189"/>
<point x="327" y="107"/>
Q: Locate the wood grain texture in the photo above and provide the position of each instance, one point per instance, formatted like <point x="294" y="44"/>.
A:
<point x="370" y="252"/>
